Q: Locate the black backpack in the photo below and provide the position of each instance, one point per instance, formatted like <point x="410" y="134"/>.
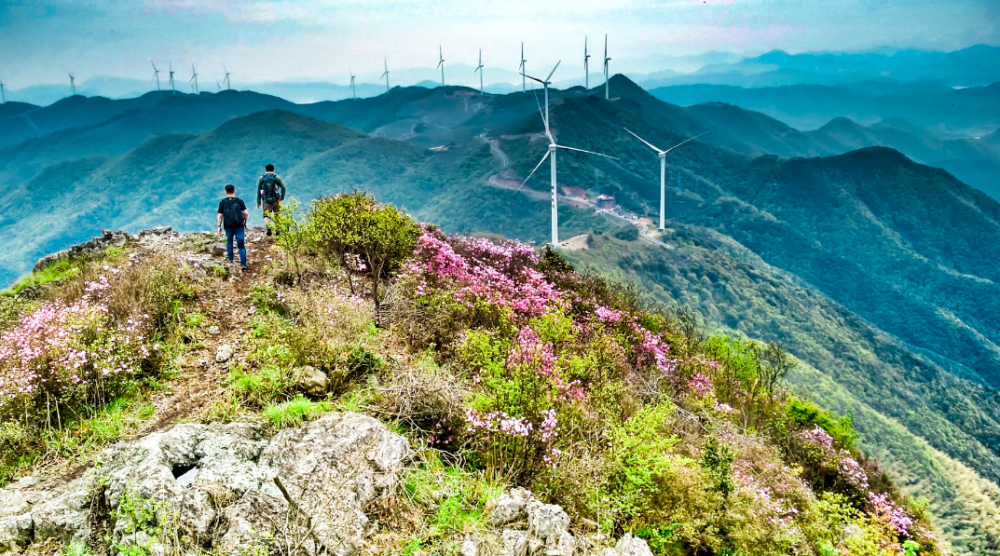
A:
<point x="269" y="188"/>
<point x="232" y="214"/>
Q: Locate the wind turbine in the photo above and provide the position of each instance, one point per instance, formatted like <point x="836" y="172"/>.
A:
<point x="3" y="93"/>
<point x="607" y="95"/>
<point x="353" y="93"/>
<point x="386" y="74"/>
<point x="553" y="146"/>
<point x="72" y="82"/>
<point x="441" y="64"/>
<point x="523" y="68"/>
<point x="173" y="91"/>
<point x="586" y="64"/>
<point x="479" y="68"/>
<point x="218" y="86"/>
<point x="156" y="75"/>
<point x="194" y="79"/>
<point x="663" y="168"/>
<point x="228" y="86"/>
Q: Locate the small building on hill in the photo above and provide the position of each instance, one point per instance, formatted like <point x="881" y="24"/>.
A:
<point x="606" y="202"/>
<point x="574" y="191"/>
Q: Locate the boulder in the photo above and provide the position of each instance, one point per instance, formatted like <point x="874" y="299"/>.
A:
<point x="311" y="380"/>
<point x="632" y="546"/>
<point x="510" y="507"/>
<point x="224" y="353"/>
<point x="225" y="486"/>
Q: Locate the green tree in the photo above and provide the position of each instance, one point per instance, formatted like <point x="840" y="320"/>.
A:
<point x="354" y="224"/>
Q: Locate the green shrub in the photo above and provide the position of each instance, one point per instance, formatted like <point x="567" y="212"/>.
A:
<point x="55" y="272"/>
<point x="808" y="414"/>
<point x="295" y="412"/>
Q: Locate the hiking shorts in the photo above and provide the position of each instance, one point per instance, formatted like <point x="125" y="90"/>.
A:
<point x="271" y="208"/>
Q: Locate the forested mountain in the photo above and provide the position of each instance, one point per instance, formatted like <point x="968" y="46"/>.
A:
<point x="873" y="269"/>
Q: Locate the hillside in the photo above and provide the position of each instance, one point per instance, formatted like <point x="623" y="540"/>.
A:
<point x="179" y="178"/>
<point x="894" y="317"/>
<point x="493" y="397"/>
<point x="897" y="395"/>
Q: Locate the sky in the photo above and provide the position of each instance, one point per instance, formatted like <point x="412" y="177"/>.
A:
<point x="302" y="40"/>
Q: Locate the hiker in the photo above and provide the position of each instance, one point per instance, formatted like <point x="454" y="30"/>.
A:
<point x="270" y="190"/>
<point x="233" y="217"/>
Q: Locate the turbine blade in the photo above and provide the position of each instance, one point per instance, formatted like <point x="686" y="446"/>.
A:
<point x="533" y="78"/>
<point x="553" y="71"/>
<point x="682" y="142"/>
<point x="588" y="152"/>
<point x="648" y="144"/>
<point x="533" y="171"/>
<point x="542" y="114"/>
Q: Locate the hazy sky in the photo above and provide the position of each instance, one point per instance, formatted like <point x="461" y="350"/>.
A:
<point x="261" y="40"/>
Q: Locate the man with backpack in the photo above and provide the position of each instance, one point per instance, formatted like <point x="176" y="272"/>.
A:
<point x="233" y="217"/>
<point x="270" y="190"/>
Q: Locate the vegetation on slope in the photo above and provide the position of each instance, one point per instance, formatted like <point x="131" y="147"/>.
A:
<point x="504" y="362"/>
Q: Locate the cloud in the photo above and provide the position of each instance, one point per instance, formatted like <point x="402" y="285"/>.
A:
<point x="289" y="39"/>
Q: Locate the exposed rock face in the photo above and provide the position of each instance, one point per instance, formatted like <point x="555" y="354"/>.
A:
<point x="231" y="498"/>
<point x="535" y="529"/>
<point x="91" y="249"/>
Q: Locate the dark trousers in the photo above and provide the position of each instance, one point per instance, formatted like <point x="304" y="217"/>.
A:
<point x="240" y="243"/>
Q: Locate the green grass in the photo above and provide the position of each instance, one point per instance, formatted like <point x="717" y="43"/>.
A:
<point x="295" y="412"/>
<point x="77" y="439"/>
<point x="57" y="271"/>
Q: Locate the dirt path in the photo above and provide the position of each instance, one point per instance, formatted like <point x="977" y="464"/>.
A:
<point x="200" y="383"/>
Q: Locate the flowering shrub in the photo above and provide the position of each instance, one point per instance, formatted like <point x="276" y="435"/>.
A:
<point x="68" y="353"/>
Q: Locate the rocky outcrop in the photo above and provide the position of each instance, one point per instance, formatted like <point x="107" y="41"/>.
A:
<point x="532" y="528"/>
<point x="224" y="487"/>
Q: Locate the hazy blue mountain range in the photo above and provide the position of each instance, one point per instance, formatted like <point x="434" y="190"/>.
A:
<point x="873" y="269"/>
<point x="974" y="66"/>
<point x="963" y="112"/>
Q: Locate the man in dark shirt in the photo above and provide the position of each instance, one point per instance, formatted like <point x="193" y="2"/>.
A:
<point x="233" y="217"/>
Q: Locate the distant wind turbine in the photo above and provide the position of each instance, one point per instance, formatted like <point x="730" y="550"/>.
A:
<point x="663" y="168"/>
<point x="607" y="94"/>
<point x="72" y="82"/>
<point x="173" y="91"/>
<point x="386" y="74"/>
<point x="553" y="146"/>
<point x="156" y="75"/>
<point x="3" y="93"/>
<point x="586" y="64"/>
<point x="194" y="79"/>
<point x="218" y="86"/>
<point x="226" y="80"/>
<point x="479" y="68"/>
<point x="523" y="68"/>
<point x="353" y="93"/>
<point x="441" y="64"/>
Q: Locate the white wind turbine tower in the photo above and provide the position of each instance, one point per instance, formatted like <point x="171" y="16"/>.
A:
<point x="523" y="68"/>
<point x="194" y="79"/>
<point x="586" y="65"/>
<point x="663" y="168"/>
<point x="353" y="93"/>
<point x="607" y="95"/>
<point x="386" y="74"/>
<point x="479" y="68"/>
<point x="173" y="91"/>
<point x="553" y="146"/>
<point x="218" y="86"/>
<point x="3" y="93"/>
<point x="72" y="82"/>
<point x="441" y="64"/>
<point x="156" y="75"/>
<point x="226" y="79"/>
